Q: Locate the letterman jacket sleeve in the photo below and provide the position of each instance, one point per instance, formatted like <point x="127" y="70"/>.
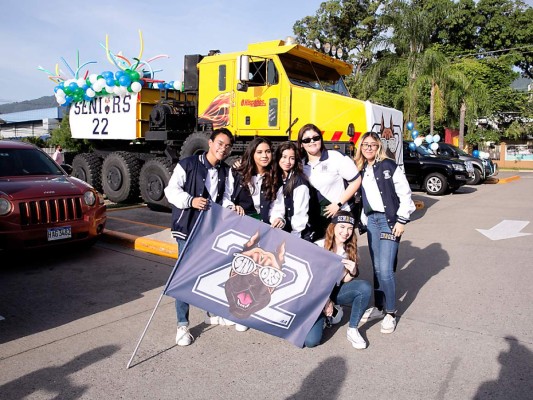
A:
<point x="403" y="191"/>
<point x="174" y="190"/>
<point x="300" y="197"/>
<point x="228" y="191"/>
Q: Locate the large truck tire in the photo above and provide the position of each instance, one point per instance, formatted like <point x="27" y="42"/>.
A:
<point x="155" y="174"/>
<point x="195" y="143"/>
<point x="88" y="168"/>
<point x="120" y="177"/>
<point x="435" y="184"/>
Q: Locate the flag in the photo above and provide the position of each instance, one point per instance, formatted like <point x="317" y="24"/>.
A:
<point x="241" y="269"/>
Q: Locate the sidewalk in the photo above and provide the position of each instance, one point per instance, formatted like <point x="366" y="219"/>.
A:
<point x="142" y="229"/>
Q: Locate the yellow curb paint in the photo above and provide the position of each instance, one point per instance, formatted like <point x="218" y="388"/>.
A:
<point x="510" y="179"/>
<point x="419" y="204"/>
<point x="156" y="247"/>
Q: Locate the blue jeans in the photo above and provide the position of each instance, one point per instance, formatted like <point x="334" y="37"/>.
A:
<point x="383" y="252"/>
<point x="355" y="293"/>
<point x="182" y="308"/>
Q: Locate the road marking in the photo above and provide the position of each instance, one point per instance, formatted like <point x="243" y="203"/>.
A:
<point x="506" y="229"/>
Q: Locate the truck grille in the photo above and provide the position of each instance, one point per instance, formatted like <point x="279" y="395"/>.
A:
<point x="50" y="211"/>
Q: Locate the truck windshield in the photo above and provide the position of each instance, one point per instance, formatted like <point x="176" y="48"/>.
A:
<point x="306" y="73"/>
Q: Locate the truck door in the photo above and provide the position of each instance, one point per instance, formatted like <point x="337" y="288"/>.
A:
<point x="259" y="108"/>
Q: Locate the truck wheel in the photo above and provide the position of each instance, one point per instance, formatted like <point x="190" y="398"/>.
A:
<point x="435" y="184"/>
<point x="155" y="174"/>
<point x="88" y="168"/>
<point x="195" y="143"/>
<point x="476" y="180"/>
<point x="120" y="177"/>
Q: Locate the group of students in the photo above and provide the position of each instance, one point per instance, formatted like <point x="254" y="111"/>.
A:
<point x="309" y="191"/>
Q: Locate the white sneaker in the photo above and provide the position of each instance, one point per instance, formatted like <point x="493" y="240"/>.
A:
<point x="355" y="338"/>
<point x="388" y="325"/>
<point x="183" y="336"/>
<point x="216" y="320"/>
<point x="371" y="314"/>
<point x="241" y="328"/>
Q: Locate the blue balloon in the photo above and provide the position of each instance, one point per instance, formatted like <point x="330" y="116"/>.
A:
<point x="124" y="80"/>
<point x="412" y="146"/>
<point x="414" y="134"/>
<point x="110" y="81"/>
<point x="475" y="153"/>
<point x="410" y="125"/>
<point x="107" y="74"/>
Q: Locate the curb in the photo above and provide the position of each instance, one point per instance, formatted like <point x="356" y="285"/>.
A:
<point x="509" y="179"/>
<point x="143" y="243"/>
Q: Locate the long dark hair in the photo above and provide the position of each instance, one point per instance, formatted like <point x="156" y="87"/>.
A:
<point x="248" y="169"/>
<point x="296" y="171"/>
<point x="303" y="129"/>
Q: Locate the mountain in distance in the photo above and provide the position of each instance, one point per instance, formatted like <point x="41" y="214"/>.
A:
<point x="27" y="105"/>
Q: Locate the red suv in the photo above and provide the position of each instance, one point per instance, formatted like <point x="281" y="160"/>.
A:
<point x="41" y="205"/>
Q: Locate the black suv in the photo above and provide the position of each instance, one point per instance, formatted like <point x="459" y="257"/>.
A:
<point x="435" y="175"/>
<point x="483" y="168"/>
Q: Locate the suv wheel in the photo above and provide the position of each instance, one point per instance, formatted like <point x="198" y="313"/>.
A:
<point x="476" y="180"/>
<point x="435" y="184"/>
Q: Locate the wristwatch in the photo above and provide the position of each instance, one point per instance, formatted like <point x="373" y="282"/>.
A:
<point x="339" y="204"/>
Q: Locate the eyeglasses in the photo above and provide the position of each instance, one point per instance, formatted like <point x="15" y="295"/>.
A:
<point x="244" y="265"/>
<point x="316" y="138"/>
<point x="369" y="146"/>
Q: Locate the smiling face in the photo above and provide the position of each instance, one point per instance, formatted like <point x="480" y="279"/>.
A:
<point x="343" y="231"/>
<point x="262" y="157"/>
<point x="287" y="161"/>
<point x="219" y="149"/>
<point x="369" y="148"/>
<point x="312" y="142"/>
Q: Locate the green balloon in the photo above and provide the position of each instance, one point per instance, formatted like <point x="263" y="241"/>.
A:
<point x="135" y="76"/>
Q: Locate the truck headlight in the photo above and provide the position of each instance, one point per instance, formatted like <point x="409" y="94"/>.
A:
<point x="5" y="206"/>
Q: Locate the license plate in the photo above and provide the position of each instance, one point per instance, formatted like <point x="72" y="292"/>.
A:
<point x="64" y="232"/>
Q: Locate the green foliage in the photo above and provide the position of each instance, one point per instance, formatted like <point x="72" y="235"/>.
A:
<point x="36" y="140"/>
<point x="479" y="135"/>
<point x="62" y="136"/>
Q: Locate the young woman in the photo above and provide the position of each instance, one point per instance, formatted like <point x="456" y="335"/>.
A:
<point x="387" y="206"/>
<point x="252" y="190"/>
<point x="292" y="189"/>
<point x="334" y="175"/>
<point x="341" y="239"/>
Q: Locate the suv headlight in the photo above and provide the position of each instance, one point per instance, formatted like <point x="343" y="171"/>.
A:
<point x="458" y="167"/>
<point x="90" y="198"/>
<point x="5" y="206"/>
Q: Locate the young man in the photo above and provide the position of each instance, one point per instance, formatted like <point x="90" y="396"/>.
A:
<point x="58" y="155"/>
<point x="195" y="182"/>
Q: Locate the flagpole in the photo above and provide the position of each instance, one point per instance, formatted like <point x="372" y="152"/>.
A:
<point x="164" y="289"/>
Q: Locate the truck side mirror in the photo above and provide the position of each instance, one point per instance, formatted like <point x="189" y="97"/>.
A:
<point x="243" y="72"/>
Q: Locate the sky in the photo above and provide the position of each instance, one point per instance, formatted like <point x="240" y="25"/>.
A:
<point x="37" y="33"/>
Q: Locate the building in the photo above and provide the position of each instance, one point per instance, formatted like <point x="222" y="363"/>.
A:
<point x="38" y="122"/>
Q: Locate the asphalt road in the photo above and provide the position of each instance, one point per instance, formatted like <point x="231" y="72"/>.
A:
<point x="72" y="321"/>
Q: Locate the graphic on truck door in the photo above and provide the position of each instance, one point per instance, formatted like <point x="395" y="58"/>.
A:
<point x="217" y="112"/>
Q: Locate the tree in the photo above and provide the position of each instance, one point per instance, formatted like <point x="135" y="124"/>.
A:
<point x="62" y="136"/>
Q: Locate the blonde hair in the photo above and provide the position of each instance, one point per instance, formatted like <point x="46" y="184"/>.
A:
<point x="380" y="153"/>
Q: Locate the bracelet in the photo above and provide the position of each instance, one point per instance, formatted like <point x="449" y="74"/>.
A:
<point x="339" y="204"/>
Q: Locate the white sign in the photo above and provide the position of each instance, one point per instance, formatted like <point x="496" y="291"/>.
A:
<point x="505" y="230"/>
<point x="106" y="117"/>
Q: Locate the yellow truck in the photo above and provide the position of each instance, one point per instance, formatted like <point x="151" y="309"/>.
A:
<point x="271" y="89"/>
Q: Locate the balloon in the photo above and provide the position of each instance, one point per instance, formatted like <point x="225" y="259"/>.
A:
<point x="124" y="80"/>
<point x="177" y="85"/>
<point x="110" y="81"/>
<point x="429" y="138"/>
<point x="436" y="138"/>
<point x="134" y="75"/>
<point x="119" y="73"/>
<point x="410" y="125"/>
<point x="90" y="93"/>
<point x="418" y="141"/>
<point x="136" y="87"/>
<point x="434" y="146"/>
<point x="107" y="74"/>
<point x="475" y="153"/>
<point x="93" y="78"/>
<point x="414" y="134"/>
<point x="412" y="146"/>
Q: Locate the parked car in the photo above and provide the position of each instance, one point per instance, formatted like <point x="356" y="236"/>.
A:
<point x="433" y="174"/>
<point x="41" y="205"/>
<point x="483" y="168"/>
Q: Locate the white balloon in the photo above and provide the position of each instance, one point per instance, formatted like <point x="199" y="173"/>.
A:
<point x="429" y="138"/>
<point x="90" y="92"/>
<point x="177" y="85"/>
<point x="136" y="87"/>
<point x="434" y="146"/>
<point x="93" y="78"/>
<point x="98" y="86"/>
<point x="81" y="82"/>
<point x="109" y="89"/>
<point x="418" y="141"/>
<point x="436" y="138"/>
<point x="60" y="92"/>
